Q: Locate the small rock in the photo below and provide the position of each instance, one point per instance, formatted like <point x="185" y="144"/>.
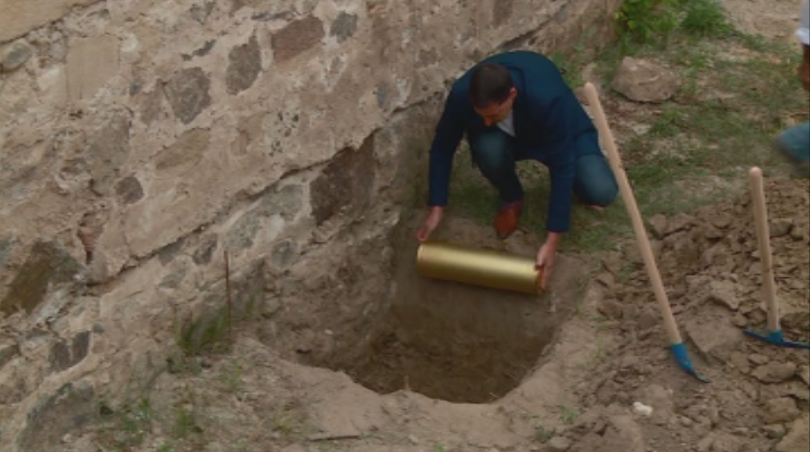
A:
<point x="741" y="431"/>
<point x="724" y="442"/>
<point x="607" y="280"/>
<point x="558" y="444"/>
<point x="740" y="321"/>
<point x="780" y="410"/>
<point x="781" y="227"/>
<point x="775" y="431"/>
<point x="723" y="293"/>
<point x="714" y="415"/>
<point x="721" y="221"/>
<point x="775" y="372"/>
<point x="798" y="439"/>
<point x="714" y="336"/>
<point x="660" y="400"/>
<point x="611" y="309"/>
<point x="705" y="445"/>
<point x="713" y="233"/>
<point x="804" y="373"/>
<point x="413" y="439"/>
<point x="658" y="224"/>
<point x="649" y="318"/>
<point x="643" y="81"/>
<point x="740" y="361"/>
<point x="680" y="222"/>
<point x="758" y="359"/>
<point x="642" y="410"/>
<point x="624" y="434"/>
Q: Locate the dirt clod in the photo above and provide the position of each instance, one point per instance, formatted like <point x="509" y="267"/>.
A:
<point x="775" y="372"/>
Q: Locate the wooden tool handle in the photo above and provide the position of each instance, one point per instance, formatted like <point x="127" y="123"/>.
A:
<point x="764" y="237"/>
<point x="609" y="144"/>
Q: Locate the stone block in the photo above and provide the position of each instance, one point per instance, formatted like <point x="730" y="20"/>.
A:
<point x="52" y="85"/>
<point x="179" y="158"/>
<point x="6" y="247"/>
<point x="296" y="38"/>
<point x="65" y="355"/>
<point x="16" y="55"/>
<point x="91" y="62"/>
<point x="107" y="152"/>
<point x="70" y="408"/>
<point x="284" y="253"/>
<point x="205" y="250"/>
<point x="344" y="26"/>
<point x="339" y="189"/>
<point x="286" y="201"/>
<point x="188" y="93"/>
<point x="501" y="12"/>
<point x="129" y="190"/>
<point x="18" y="17"/>
<point x="48" y="265"/>
<point x="8" y="350"/>
<point x="151" y="104"/>
<point x="244" y="66"/>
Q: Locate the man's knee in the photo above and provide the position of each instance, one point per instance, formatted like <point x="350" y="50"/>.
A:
<point x="603" y="192"/>
<point x="595" y="182"/>
<point x="493" y="153"/>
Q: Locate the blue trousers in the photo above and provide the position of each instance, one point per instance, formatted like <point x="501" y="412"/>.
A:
<point x="495" y="153"/>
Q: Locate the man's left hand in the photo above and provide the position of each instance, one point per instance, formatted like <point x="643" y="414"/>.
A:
<point x="545" y="263"/>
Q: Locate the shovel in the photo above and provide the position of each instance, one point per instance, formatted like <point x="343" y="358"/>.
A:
<point x="774" y="335"/>
<point x="676" y="343"/>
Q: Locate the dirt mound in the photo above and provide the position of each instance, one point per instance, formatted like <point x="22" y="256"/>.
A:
<point x="711" y="269"/>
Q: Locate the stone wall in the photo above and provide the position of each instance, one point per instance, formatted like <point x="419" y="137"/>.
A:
<point x="141" y="140"/>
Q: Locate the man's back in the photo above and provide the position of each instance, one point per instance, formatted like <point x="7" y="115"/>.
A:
<point x="547" y="114"/>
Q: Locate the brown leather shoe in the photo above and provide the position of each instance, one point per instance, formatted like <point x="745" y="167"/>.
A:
<point x="507" y="219"/>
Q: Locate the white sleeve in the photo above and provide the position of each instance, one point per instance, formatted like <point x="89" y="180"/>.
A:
<point x="803" y="33"/>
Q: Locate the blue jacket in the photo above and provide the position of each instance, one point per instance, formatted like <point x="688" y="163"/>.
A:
<point x="550" y="126"/>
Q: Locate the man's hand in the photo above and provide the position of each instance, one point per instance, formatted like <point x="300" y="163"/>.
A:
<point x="431" y="222"/>
<point x="546" y="257"/>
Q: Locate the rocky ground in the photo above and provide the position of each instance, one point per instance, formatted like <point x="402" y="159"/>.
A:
<point x="608" y="384"/>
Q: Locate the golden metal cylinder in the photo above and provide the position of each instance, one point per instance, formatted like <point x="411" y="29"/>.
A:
<point x="479" y="267"/>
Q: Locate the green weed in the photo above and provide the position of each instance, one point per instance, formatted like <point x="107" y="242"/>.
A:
<point x="705" y="18"/>
<point x="568" y="415"/>
<point x="543" y="435"/>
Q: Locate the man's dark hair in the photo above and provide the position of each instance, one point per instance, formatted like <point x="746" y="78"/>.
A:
<point x="490" y="82"/>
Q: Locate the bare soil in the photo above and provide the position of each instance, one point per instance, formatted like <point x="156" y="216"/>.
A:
<point x="774" y="19"/>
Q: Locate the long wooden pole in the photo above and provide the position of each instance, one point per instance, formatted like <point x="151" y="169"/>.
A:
<point x="765" y="255"/>
<point x="609" y="144"/>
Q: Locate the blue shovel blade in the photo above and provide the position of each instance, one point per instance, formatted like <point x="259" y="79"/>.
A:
<point x="776" y="338"/>
<point x="682" y="356"/>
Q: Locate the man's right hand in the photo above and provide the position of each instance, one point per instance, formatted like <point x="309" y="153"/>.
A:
<point x="431" y="222"/>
